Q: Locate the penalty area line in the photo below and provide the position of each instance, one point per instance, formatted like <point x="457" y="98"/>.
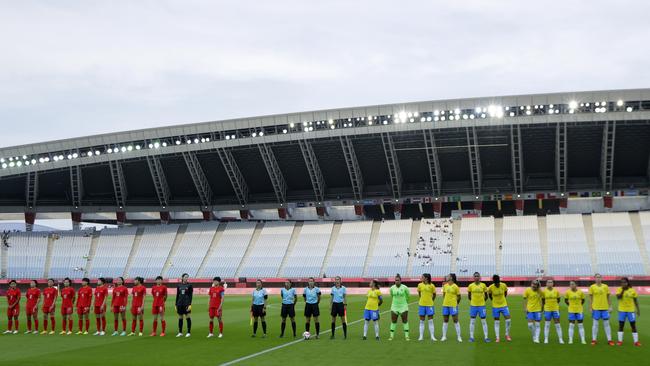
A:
<point x="268" y="350"/>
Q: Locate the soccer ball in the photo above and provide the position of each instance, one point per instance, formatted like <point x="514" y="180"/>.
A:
<point x="306" y="335"/>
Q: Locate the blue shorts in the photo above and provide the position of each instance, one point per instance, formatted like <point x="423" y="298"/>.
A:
<point x="626" y="315"/>
<point x="496" y="312"/>
<point x="576" y="316"/>
<point x="477" y="310"/>
<point x="600" y="314"/>
<point x="534" y="315"/>
<point x="548" y="315"/>
<point x="371" y="314"/>
<point x="426" y="310"/>
<point x="449" y="310"/>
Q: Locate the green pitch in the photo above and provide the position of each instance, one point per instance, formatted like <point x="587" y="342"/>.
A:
<point x="88" y="350"/>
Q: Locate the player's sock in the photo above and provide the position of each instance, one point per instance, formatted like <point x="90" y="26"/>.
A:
<point x="471" y="327"/>
<point x="444" y="329"/>
<point x="635" y="337"/>
<point x="594" y="330"/>
<point x="317" y="328"/>
<point x="345" y="329"/>
<point x="392" y="328"/>
<point x="133" y="326"/>
<point x="115" y="325"/>
<point x="163" y="323"/>
<point x="307" y="326"/>
<point x="620" y="336"/>
<point x="180" y="330"/>
<point x="44" y="323"/>
<point x="189" y="325"/>
<point x="283" y="325"/>
<point x="507" y="327"/>
<point x="365" y="328"/>
<point x="53" y="322"/>
<point x="547" y="328"/>
<point x="87" y="324"/>
<point x="333" y="328"/>
<point x="432" y="328"/>
<point x="16" y="324"/>
<point x="421" y="328"/>
<point x="103" y="323"/>
<point x="29" y="324"/>
<point x="10" y="324"/>
<point x="407" y="328"/>
<point x="155" y="325"/>
<point x="264" y="327"/>
<point x="376" y="324"/>
<point x="538" y="328"/>
<point x="581" y="330"/>
<point x="485" y="328"/>
<point x="36" y="324"/>
<point x="571" y="327"/>
<point x="124" y="325"/>
<point x="80" y="323"/>
<point x="497" y="324"/>
<point x="220" y="326"/>
<point x="293" y="327"/>
<point x="70" y="322"/>
<point x="211" y="327"/>
<point x="98" y="324"/>
<point x="531" y="328"/>
<point x="180" y="325"/>
<point x="608" y="330"/>
<point x="65" y="324"/>
<point x="457" y="326"/>
<point x="141" y="325"/>
<point x="558" y="330"/>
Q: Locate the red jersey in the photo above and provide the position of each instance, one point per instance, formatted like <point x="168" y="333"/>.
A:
<point x="138" y="292"/>
<point x="85" y="297"/>
<point x="100" y="295"/>
<point x="33" y="295"/>
<point x="159" y="294"/>
<point x="67" y="297"/>
<point x="49" y="296"/>
<point x="120" y="293"/>
<point x="13" y="296"/>
<point x="216" y="296"/>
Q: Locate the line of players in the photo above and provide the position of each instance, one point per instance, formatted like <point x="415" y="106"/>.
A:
<point x="82" y="301"/>
<point x="538" y="302"/>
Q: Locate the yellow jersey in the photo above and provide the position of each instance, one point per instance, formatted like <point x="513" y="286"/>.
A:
<point x="498" y="295"/>
<point x="626" y="303"/>
<point x="426" y="293"/>
<point x="478" y="293"/>
<point x="575" y="299"/>
<point x="450" y="293"/>
<point x="551" y="299"/>
<point x="599" y="294"/>
<point x="373" y="299"/>
<point x="534" y="300"/>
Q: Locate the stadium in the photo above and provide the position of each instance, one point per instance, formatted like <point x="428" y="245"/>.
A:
<point x="546" y="186"/>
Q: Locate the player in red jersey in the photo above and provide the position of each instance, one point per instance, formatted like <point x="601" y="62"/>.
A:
<point x="100" y="306"/>
<point x="138" y="292"/>
<point x="49" y="301"/>
<point x="31" y="309"/>
<point x="216" y="302"/>
<point x="13" y="308"/>
<point x="67" y="303"/>
<point x="159" y="293"/>
<point x="118" y="303"/>
<point x="84" y="300"/>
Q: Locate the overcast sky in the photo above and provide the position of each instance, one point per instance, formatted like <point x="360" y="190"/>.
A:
<point x="74" y="68"/>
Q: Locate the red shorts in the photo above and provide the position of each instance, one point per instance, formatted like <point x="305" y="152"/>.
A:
<point x="215" y="312"/>
<point x="136" y="310"/>
<point x="14" y="311"/>
<point x="31" y="310"/>
<point x="100" y="310"/>
<point x="66" y="310"/>
<point x="48" y="309"/>
<point x="81" y="310"/>
<point x="155" y="310"/>
<point x="118" y="309"/>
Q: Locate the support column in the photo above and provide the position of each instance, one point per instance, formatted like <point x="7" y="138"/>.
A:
<point x="478" y="207"/>
<point x="358" y="211"/>
<point x="207" y="215"/>
<point x="282" y="213"/>
<point x="564" y="203"/>
<point x="519" y="207"/>
<point x="164" y="217"/>
<point x="437" y="209"/>
<point x="397" y="209"/>
<point x="608" y="203"/>
<point x="320" y="211"/>
<point x="120" y="217"/>
<point x="244" y="214"/>
<point x="30" y="218"/>
<point x="76" y="220"/>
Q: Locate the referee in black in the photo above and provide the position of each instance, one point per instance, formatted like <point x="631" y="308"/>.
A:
<point x="184" y="292"/>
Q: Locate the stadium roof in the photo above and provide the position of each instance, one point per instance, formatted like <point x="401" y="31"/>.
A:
<point x="511" y="144"/>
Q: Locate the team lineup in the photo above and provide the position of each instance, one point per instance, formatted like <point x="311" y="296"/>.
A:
<point x="539" y="302"/>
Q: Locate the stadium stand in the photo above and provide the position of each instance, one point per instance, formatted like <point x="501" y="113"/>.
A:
<point x="520" y="247"/>
<point x="476" y="249"/>
<point x="267" y="253"/>
<point x="617" y="251"/>
<point x="230" y="249"/>
<point x="391" y="252"/>
<point x="113" y="250"/>
<point x="70" y="253"/>
<point x="433" y="250"/>
<point x="308" y="255"/>
<point x="153" y="251"/>
<point x="350" y="250"/>
<point x="26" y="255"/>
<point x="568" y="252"/>
<point x="192" y="249"/>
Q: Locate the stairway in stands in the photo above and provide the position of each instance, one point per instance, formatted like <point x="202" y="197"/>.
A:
<point x="213" y="245"/>
<point x="251" y="245"/>
<point x="591" y="242"/>
<point x="543" y="240"/>
<point x="134" y="249"/>
<point x="297" y="228"/>
<point x="454" y="247"/>
<point x="93" y="250"/>
<point x="498" y="238"/>
<point x="374" y="234"/>
<point x="640" y="240"/>
<point x="415" y="234"/>
<point x="177" y="241"/>
<point x="336" y="229"/>
<point x="48" y="256"/>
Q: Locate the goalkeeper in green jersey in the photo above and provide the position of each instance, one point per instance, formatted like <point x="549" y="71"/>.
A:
<point x="399" y="306"/>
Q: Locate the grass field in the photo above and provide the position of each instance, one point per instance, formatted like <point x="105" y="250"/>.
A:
<point x="88" y="350"/>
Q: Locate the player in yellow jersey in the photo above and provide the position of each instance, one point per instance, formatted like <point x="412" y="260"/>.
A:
<point x="600" y="307"/>
<point x="575" y="299"/>
<point x="497" y="293"/>
<point x="427" y="294"/>
<point x="371" y="311"/>
<point x="533" y="307"/>
<point x="628" y="309"/>
<point x="551" y="301"/>
<point x="450" y="300"/>
<point x="477" y="294"/>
